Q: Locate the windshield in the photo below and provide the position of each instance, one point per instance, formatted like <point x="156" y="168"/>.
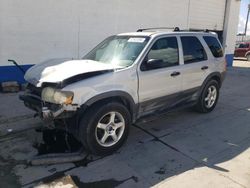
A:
<point x="118" y="50"/>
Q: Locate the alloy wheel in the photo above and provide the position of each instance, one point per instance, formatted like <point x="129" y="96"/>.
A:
<point x="211" y="96"/>
<point x="110" y="129"/>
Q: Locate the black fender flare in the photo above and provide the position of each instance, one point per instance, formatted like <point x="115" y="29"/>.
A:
<point x="210" y="77"/>
<point x="114" y="94"/>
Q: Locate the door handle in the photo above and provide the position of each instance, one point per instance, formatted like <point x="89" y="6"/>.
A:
<point x="204" y="67"/>
<point x="175" y="74"/>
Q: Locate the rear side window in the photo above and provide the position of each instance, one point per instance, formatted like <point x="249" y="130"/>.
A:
<point x="193" y="50"/>
<point x="242" y="45"/>
<point x="214" y="46"/>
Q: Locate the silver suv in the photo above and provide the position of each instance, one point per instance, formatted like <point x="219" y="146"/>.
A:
<point x="125" y="78"/>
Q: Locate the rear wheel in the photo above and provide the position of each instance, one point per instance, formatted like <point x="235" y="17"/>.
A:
<point x="104" y="128"/>
<point x="209" y="97"/>
<point x="248" y="57"/>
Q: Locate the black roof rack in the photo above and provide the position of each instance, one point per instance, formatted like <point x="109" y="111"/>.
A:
<point x="152" y="28"/>
<point x="174" y="29"/>
<point x="196" y="30"/>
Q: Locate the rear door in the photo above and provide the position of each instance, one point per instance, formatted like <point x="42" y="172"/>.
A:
<point x="196" y="66"/>
<point x="160" y="81"/>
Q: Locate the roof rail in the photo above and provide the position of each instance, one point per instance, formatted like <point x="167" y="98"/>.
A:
<point x="176" y="29"/>
<point x="197" y="30"/>
<point x="153" y="28"/>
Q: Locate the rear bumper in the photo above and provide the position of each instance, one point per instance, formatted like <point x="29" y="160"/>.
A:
<point x="48" y="111"/>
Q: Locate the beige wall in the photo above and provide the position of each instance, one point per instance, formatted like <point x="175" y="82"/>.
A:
<point x="33" y="31"/>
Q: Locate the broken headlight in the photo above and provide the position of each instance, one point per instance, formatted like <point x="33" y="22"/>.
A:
<point x="57" y="96"/>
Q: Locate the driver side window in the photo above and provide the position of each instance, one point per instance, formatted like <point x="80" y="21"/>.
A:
<point x="164" y="53"/>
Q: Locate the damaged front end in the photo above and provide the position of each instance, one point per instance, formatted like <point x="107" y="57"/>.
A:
<point x="49" y="104"/>
<point x="60" y="136"/>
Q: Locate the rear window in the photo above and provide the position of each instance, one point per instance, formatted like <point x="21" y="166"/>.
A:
<point x="214" y="46"/>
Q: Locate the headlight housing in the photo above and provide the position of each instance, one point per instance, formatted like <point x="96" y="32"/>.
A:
<point x="57" y="96"/>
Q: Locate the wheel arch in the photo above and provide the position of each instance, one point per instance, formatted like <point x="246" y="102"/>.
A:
<point x="247" y="53"/>
<point x="118" y="96"/>
<point x="213" y="76"/>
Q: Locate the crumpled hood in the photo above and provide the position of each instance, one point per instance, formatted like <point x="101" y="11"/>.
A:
<point x="57" y="70"/>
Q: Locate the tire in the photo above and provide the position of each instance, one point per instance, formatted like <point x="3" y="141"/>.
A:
<point x="248" y="57"/>
<point x="100" y="124"/>
<point x="208" y="102"/>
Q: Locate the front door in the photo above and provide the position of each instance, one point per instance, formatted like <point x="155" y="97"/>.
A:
<point x="160" y="76"/>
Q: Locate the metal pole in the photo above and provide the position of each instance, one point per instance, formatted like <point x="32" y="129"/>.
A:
<point x="247" y="20"/>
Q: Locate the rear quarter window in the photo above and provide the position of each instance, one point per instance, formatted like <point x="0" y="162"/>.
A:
<point x="214" y="46"/>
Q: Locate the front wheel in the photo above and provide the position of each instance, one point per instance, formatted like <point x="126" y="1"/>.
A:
<point x="209" y="97"/>
<point x="104" y="128"/>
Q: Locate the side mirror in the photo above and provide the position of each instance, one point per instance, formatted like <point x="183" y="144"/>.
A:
<point x="154" y="62"/>
<point x="149" y="64"/>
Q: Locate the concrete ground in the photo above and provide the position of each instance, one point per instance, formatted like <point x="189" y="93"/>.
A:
<point x="180" y="149"/>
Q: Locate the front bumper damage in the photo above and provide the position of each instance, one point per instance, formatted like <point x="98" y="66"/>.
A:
<point x="48" y="111"/>
<point x="59" y="128"/>
<point x="65" y="111"/>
